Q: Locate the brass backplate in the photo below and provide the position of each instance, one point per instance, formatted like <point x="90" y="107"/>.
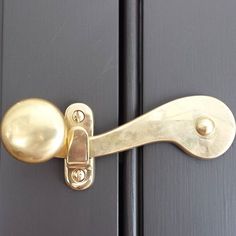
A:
<point x="79" y="167"/>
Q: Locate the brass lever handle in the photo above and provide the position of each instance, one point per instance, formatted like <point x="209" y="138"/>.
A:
<point x="202" y="126"/>
<point x="34" y="130"/>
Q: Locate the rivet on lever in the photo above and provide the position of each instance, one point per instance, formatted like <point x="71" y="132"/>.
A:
<point x="205" y="126"/>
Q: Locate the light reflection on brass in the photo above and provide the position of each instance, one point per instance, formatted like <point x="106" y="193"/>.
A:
<point x="33" y="130"/>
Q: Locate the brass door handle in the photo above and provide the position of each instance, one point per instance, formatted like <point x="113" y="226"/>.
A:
<point x="34" y="130"/>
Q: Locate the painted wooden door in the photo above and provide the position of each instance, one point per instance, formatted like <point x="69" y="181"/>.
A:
<point x="189" y="49"/>
<point x="66" y="52"/>
<point x="122" y="58"/>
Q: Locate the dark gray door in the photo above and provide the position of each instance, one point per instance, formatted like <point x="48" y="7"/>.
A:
<point x="122" y="58"/>
<point x="63" y="51"/>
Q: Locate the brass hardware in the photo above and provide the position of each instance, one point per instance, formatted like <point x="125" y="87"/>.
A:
<point x="202" y="126"/>
<point x="78" y="116"/>
<point x="79" y="167"/>
<point x="205" y="126"/>
<point x="34" y="131"/>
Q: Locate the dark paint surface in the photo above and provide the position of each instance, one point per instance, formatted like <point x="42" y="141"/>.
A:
<point x="189" y="49"/>
<point x="67" y="51"/>
<point x="63" y="51"/>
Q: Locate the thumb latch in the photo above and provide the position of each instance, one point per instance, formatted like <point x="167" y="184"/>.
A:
<point x="34" y="131"/>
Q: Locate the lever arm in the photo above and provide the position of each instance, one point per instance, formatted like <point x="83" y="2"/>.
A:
<point x="202" y="126"/>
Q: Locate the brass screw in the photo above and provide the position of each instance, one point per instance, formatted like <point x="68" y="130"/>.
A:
<point x="205" y="126"/>
<point x="78" y="116"/>
<point x="78" y="175"/>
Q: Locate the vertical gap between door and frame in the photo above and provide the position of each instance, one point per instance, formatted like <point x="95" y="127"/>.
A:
<point x="130" y="106"/>
<point x="1" y="62"/>
<point x="1" y="53"/>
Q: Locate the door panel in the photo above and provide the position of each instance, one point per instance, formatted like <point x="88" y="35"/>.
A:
<point x="63" y="51"/>
<point x="189" y="49"/>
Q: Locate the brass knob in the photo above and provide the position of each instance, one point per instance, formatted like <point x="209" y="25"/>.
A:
<point x="33" y="130"/>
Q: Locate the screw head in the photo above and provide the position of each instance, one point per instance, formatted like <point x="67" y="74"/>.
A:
<point x="78" y="175"/>
<point x="205" y="126"/>
<point x="78" y="116"/>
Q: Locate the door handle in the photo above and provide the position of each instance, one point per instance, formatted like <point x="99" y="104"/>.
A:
<point x="34" y="131"/>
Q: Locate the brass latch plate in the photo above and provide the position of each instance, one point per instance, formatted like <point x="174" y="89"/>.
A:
<point x="79" y="167"/>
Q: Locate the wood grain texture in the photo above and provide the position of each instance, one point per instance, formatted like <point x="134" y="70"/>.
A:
<point x="63" y="51"/>
<point x="189" y="49"/>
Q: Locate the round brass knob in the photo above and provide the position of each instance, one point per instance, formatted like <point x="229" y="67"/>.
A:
<point x="33" y="130"/>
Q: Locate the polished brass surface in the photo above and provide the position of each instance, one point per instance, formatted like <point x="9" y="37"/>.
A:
<point x="205" y="126"/>
<point x="33" y="130"/>
<point x="175" y="122"/>
<point x="79" y="168"/>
